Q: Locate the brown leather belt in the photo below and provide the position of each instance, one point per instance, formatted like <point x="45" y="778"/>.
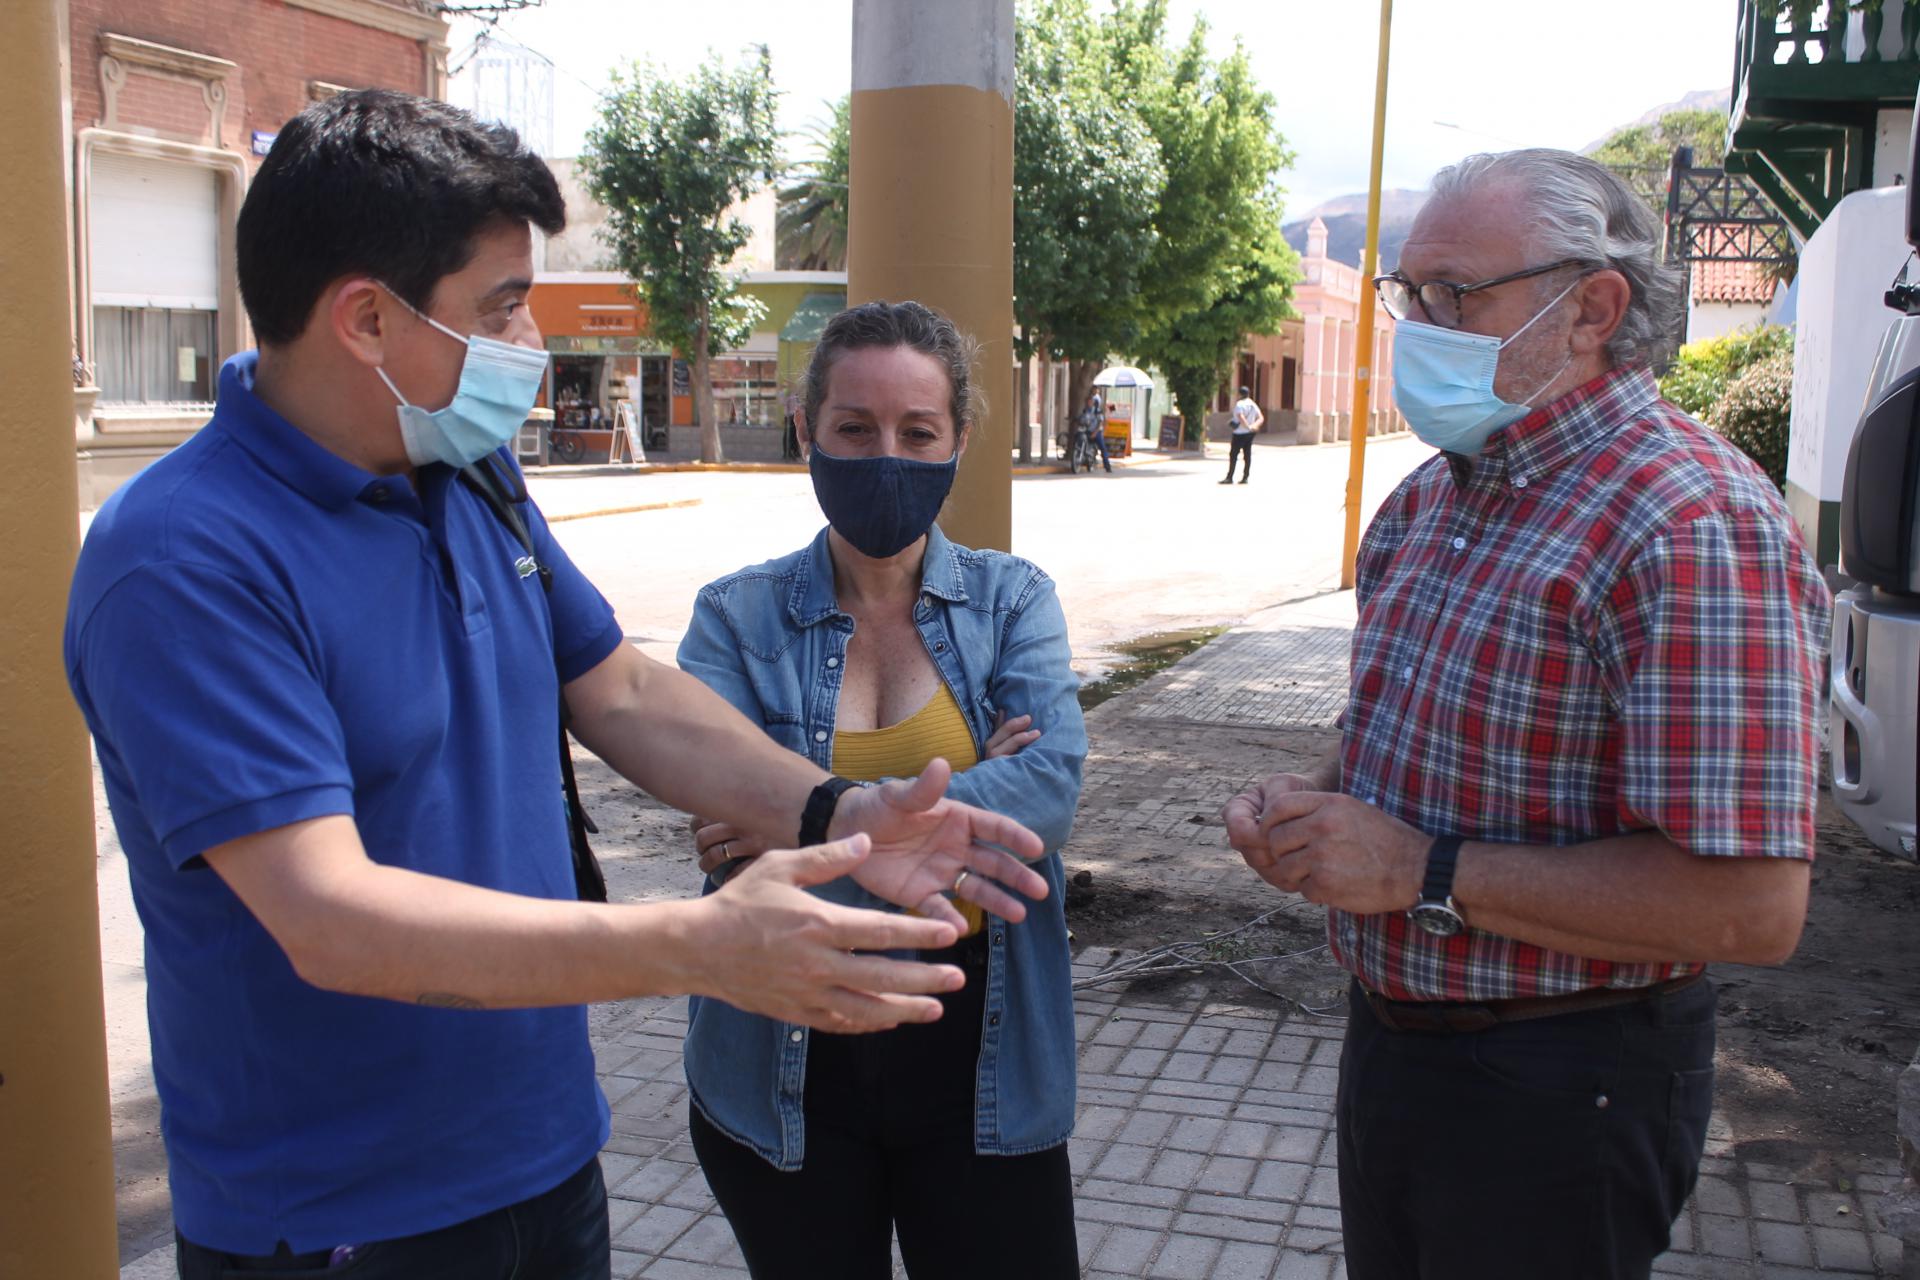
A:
<point x="1449" y="1017"/>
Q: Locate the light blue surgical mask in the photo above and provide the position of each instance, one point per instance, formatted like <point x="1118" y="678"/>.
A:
<point x="1443" y="382"/>
<point x="498" y="385"/>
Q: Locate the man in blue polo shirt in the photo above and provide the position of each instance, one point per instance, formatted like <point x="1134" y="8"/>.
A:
<point x="324" y="679"/>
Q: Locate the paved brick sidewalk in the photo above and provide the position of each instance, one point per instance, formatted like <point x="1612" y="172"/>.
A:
<point x="1203" y="1149"/>
<point x="1285" y="667"/>
<point x="1203" y="1146"/>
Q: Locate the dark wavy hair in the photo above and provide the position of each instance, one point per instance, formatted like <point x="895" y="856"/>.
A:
<point x="896" y="324"/>
<point x="383" y="183"/>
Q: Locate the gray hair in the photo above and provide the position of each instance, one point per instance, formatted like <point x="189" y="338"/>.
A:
<point x="1583" y="210"/>
<point x="896" y="324"/>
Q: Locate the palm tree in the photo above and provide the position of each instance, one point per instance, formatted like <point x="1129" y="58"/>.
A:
<point x="810" y="227"/>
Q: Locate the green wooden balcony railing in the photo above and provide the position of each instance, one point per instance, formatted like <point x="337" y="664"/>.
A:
<point x="1809" y="79"/>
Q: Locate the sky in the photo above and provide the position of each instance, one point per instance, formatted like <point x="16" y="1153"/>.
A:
<point x="1468" y="76"/>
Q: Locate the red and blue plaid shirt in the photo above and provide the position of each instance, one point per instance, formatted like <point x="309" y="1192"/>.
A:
<point x="1607" y="624"/>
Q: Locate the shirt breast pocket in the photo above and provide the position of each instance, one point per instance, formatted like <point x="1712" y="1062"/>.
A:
<point x="1544" y="722"/>
<point x="787" y="730"/>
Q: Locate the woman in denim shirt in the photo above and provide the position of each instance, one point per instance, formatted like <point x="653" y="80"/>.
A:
<point x="882" y="649"/>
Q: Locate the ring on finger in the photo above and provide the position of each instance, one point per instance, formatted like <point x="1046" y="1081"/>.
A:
<point x="959" y="880"/>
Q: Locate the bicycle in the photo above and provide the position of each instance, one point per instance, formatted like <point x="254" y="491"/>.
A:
<point x="565" y="443"/>
<point x="1083" y="449"/>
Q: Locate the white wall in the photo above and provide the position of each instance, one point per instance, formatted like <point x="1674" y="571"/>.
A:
<point x="579" y="247"/>
<point x="1844" y="271"/>
<point x="1711" y="319"/>
<point x="1892" y="134"/>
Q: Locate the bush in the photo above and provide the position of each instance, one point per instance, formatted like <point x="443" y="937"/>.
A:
<point x="1703" y="370"/>
<point x="1754" y="412"/>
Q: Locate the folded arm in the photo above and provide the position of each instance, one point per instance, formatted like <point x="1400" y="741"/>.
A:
<point x="1039" y="785"/>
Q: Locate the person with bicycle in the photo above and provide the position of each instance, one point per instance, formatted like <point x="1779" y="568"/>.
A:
<point x="1092" y="427"/>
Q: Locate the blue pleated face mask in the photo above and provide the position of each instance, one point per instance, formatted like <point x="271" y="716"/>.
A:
<point x="498" y="385"/>
<point x="1443" y="382"/>
<point x="880" y="505"/>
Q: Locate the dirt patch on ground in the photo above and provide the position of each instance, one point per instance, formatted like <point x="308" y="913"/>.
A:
<point x="1808" y="1052"/>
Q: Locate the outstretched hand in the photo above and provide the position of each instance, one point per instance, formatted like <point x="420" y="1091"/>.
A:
<point x="771" y="948"/>
<point x="922" y="842"/>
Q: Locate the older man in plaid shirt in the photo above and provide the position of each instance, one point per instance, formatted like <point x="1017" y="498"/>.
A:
<point x="1579" y="758"/>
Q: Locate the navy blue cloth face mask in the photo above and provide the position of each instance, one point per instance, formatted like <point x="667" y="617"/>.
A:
<point x="880" y="505"/>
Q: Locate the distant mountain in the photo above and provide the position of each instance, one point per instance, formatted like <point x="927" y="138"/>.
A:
<point x="1698" y="100"/>
<point x="1346" y="216"/>
<point x="1346" y="219"/>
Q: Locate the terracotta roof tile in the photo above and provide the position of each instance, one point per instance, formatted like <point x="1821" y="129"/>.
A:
<point x="1731" y="282"/>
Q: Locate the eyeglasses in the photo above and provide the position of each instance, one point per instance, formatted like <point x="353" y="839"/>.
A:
<point x="1439" y="300"/>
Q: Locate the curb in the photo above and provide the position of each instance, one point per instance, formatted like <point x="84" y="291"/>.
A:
<point x="628" y="510"/>
<point x="558" y="470"/>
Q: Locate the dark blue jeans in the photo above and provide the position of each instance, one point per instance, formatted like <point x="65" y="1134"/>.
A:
<point x="558" y="1235"/>
<point x="1561" y="1147"/>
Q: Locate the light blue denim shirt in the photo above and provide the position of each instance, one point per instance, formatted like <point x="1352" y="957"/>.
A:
<point x="772" y="640"/>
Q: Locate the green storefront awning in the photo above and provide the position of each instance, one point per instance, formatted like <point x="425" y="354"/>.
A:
<point x="811" y="316"/>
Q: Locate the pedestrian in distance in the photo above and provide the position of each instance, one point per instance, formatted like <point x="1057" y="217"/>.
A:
<point x="1578" y="762"/>
<point x="325" y="648"/>
<point x="1247" y="419"/>
<point x="1094" y="420"/>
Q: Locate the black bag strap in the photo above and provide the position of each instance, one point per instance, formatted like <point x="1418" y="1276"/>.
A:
<point x="503" y="494"/>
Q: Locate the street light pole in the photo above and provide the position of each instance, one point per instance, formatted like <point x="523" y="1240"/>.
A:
<point x="1363" y="346"/>
<point x="56" y="1145"/>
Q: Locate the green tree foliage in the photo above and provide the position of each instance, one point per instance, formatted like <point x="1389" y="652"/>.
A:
<point x="1146" y="215"/>
<point x="1755" y="411"/>
<point x="810" y="227"/>
<point x="1087" y="177"/>
<point x="1642" y="154"/>
<point x="1220" y="262"/>
<point x="668" y="158"/>
<point x="1651" y="146"/>
<point x="1196" y="349"/>
<point x="1703" y="370"/>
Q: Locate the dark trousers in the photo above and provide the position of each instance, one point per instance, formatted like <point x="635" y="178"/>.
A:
<point x="1560" y="1147"/>
<point x="559" y="1234"/>
<point x="1240" y="447"/>
<point x="889" y="1147"/>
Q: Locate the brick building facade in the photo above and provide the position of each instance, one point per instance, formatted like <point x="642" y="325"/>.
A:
<point x="172" y="104"/>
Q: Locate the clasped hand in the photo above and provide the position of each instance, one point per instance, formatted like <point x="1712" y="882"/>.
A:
<point x="1332" y="849"/>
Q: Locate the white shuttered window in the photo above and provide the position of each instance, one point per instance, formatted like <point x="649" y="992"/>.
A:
<point x="154" y="271"/>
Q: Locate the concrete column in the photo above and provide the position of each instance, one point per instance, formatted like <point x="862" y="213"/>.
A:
<point x="56" y="1152"/>
<point x="930" y="210"/>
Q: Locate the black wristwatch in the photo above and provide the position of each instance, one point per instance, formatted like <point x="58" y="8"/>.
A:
<point x="818" y="815"/>
<point x="1435" y="912"/>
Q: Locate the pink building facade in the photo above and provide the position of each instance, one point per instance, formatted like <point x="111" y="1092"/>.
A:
<point x="1303" y="376"/>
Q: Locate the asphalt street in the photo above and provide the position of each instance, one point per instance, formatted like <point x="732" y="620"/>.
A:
<point x="1157" y="546"/>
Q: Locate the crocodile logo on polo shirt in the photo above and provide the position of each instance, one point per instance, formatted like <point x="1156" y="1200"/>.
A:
<point x="527" y="566"/>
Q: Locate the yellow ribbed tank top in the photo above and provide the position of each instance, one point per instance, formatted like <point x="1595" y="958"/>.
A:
<point x="936" y="731"/>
